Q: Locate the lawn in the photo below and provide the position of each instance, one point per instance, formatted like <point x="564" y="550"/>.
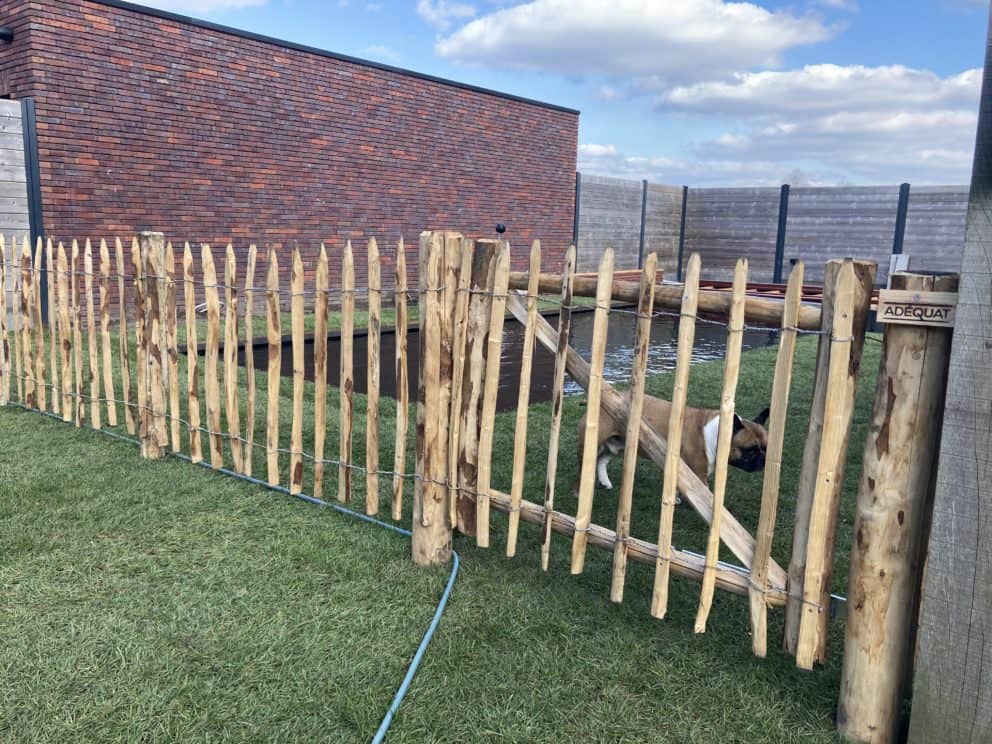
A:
<point x="162" y="602"/>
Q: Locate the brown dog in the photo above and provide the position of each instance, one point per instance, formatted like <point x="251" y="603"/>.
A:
<point x="699" y="438"/>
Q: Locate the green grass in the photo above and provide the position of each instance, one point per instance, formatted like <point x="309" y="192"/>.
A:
<point x="162" y="602"/>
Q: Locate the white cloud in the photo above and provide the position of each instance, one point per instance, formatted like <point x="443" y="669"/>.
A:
<point x="200" y="7"/>
<point x="381" y="53"/>
<point x="597" y="151"/>
<point x="443" y="13"/>
<point x="646" y="39"/>
<point x="851" y="6"/>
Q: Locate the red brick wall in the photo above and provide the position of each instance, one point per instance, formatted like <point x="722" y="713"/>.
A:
<point x="152" y="123"/>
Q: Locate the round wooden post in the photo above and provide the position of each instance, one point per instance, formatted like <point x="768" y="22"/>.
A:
<point x="895" y="501"/>
<point x="156" y="437"/>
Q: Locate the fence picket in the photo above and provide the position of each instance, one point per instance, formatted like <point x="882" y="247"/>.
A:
<point x="4" y="339"/>
<point x="39" y="330"/>
<point x="296" y="434"/>
<point x="212" y="356"/>
<point x="107" y="360"/>
<point x="192" y="359"/>
<point x="523" y="400"/>
<point x="587" y="483"/>
<point x="91" y="338"/>
<point x="171" y="349"/>
<point x="731" y="372"/>
<point x="249" y="357"/>
<point x="320" y="373"/>
<point x="65" y="334"/>
<point x="673" y="455"/>
<point x="123" y="343"/>
<point x="459" y="332"/>
<point x="273" y="326"/>
<point x="642" y="339"/>
<point x="497" y="313"/>
<point x="231" y="359"/>
<point x="781" y="383"/>
<point x="153" y="247"/>
<point x="453" y="244"/>
<point x="77" y="335"/>
<point x="27" y="321"/>
<point x="347" y="373"/>
<point x="557" y="393"/>
<point x="836" y="415"/>
<point x="138" y="270"/>
<point x="372" y="381"/>
<point x="402" y="381"/>
<point x="15" y="311"/>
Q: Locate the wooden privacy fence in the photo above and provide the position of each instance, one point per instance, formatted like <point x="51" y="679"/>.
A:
<point x="147" y="373"/>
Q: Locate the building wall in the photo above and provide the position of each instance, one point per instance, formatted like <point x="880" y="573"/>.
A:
<point x="149" y="122"/>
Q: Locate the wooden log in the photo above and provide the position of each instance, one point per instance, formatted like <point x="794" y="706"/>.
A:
<point x="249" y="453"/>
<point x="108" y="359"/>
<point x="27" y="323"/>
<point x="171" y="349"/>
<point x="4" y="338"/>
<point x="402" y="381"/>
<point x="124" y="344"/>
<point x="192" y="358"/>
<point x="39" y="330"/>
<point x="895" y="502"/>
<point x="459" y="326"/>
<point x="483" y="269"/>
<point x="673" y="455"/>
<point x="153" y="249"/>
<point x="487" y="429"/>
<point x="274" y="338"/>
<point x="347" y="376"/>
<point x="211" y="381"/>
<point x="523" y="403"/>
<point x="419" y="483"/>
<point x="836" y="418"/>
<point x="864" y="272"/>
<point x="372" y="380"/>
<point x="557" y="395"/>
<point x="590" y="447"/>
<point x="778" y="414"/>
<point x="642" y="339"/>
<point x="77" y="336"/>
<point x="138" y="271"/>
<point x="231" y="387"/>
<point x="731" y="373"/>
<point x="320" y="373"/>
<point x="695" y="492"/>
<point x="432" y="532"/>
<point x="92" y="342"/>
<point x="53" y="340"/>
<point x="683" y="563"/>
<point x="757" y="310"/>
<point x="65" y="334"/>
<point x="296" y="431"/>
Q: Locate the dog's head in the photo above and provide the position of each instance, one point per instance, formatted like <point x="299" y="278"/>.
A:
<point x="747" y="447"/>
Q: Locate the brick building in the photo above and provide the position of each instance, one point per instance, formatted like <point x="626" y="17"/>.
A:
<point x="150" y="120"/>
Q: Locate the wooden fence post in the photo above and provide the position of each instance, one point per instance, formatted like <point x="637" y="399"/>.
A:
<point x="864" y="273"/>
<point x="431" y="523"/>
<point x="156" y="436"/>
<point x="895" y="501"/>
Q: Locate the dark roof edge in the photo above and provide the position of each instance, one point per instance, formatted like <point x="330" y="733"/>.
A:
<point x="179" y="18"/>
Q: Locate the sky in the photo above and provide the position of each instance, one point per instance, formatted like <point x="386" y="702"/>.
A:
<point x="695" y="92"/>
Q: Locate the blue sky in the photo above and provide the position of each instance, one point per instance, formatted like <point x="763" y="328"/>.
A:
<point x="701" y="92"/>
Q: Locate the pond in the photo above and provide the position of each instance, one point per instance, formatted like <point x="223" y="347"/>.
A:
<point x="709" y="344"/>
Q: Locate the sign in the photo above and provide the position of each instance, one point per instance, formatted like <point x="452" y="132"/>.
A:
<point x="909" y="307"/>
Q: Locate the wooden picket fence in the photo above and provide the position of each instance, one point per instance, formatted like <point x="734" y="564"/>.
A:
<point x="466" y="287"/>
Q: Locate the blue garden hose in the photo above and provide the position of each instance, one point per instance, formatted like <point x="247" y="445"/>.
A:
<point x="387" y="720"/>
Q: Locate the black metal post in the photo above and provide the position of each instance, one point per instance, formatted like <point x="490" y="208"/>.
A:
<point x="578" y="199"/>
<point x="901" y="211"/>
<point x="685" y="198"/>
<point x="36" y="220"/>
<point x="783" y="218"/>
<point x="644" y="214"/>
